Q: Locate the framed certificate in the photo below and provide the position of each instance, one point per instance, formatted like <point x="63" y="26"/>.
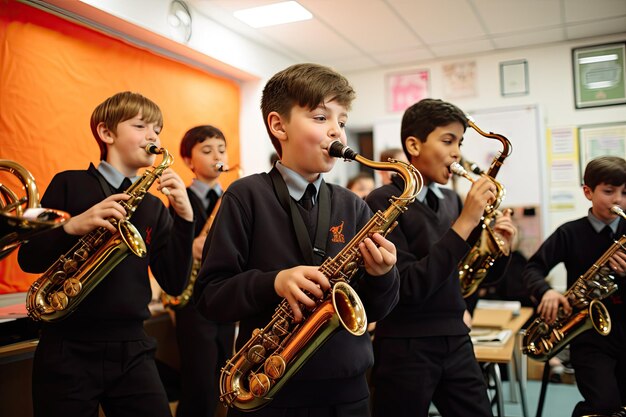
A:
<point x="514" y="78"/>
<point x="599" y="75"/>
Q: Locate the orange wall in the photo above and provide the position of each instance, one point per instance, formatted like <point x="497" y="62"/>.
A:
<point x="53" y="73"/>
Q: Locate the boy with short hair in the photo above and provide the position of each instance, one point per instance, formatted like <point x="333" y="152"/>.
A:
<point x="100" y="354"/>
<point x="598" y="361"/>
<point x="204" y="345"/>
<point x="423" y="351"/>
<point x="253" y="257"/>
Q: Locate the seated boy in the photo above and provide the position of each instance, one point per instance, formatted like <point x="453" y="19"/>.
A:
<point x="100" y="354"/>
<point x="253" y="257"/>
<point x="598" y="361"/>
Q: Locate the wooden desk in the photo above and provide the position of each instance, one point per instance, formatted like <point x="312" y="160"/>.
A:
<point x="509" y="352"/>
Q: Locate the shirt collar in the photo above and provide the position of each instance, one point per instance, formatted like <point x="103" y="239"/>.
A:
<point x="296" y="184"/>
<point x="598" y="224"/>
<point x="112" y="175"/>
<point x="432" y="186"/>
<point x="201" y="189"/>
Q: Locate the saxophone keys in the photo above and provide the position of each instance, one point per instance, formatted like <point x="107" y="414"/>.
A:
<point x="58" y="300"/>
<point x="58" y="277"/>
<point x="259" y="385"/>
<point x="281" y="327"/>
<point x="271" y="341"/>
<point x="275" y="366"/>
<point x="256" y="354"/>
<point x="70" y="265"/>
<point x="72" y="287"/>
<point x="81" y="255"/>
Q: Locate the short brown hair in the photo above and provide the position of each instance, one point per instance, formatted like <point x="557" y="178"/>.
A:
<point x="305" y="85"/>
<point x="198" y="134"/>
<point x="119" y="108"/>
<point x="605" y="169"/>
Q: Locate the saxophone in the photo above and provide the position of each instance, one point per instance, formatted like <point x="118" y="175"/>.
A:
<point x="542" y="341"/>
<point x="16" y="224"/>
<point x="488" y="245"/>
<point x="253" y="376"/>
<point x="59" y="291"/>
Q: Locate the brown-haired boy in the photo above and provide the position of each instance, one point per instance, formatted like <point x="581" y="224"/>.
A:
<point x="100" y="354"/>
<point x="598" y="361"/>
<point x="254" y="257"/>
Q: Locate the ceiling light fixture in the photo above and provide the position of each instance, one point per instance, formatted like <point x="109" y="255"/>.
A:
<point x="273" y="14"/>
<point x="179" y="20"/>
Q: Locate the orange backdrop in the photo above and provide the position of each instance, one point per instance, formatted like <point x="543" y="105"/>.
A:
<point x="53" y="73"/>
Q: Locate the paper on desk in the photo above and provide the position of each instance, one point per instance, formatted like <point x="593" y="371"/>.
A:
<point x="489" y="337"/>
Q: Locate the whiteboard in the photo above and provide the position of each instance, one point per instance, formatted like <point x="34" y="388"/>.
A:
<point x="522" y="173"/>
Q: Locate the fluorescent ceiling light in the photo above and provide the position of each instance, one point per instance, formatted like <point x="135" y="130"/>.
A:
<point x="273" y="14"/>
<point x="599" y="58"/>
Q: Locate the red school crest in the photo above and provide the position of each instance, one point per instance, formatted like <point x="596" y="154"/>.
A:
<point x="148" y="238"/>
<point x="337" y="234"/>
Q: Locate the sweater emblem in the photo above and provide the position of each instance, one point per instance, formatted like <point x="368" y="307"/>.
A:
<point x="148" y="238"/>
<point x="338" y="236"/>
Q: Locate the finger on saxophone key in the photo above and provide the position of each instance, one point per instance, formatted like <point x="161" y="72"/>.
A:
<point x="165" y="191"/>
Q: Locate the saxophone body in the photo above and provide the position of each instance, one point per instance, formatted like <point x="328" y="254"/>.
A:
<point x="66" y="283"/>
<point x="542" y="340"/>
<point x="253" y="376"/>
<point x="23" y="217"/>
<point x="488" y="245"/>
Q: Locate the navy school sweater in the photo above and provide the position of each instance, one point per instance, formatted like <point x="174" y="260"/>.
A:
<point x="252" y="239"/>
<point x="116" y="308"/>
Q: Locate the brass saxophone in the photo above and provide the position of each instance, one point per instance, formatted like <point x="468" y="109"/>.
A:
<point x="253" y="376"/>
<point x="489" y="246"/>
<point x="542" y="340"/>
<point x="59" y="291"/>
<point x="16" y="224"/>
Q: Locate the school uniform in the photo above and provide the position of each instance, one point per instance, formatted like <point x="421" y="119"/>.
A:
<point x="100" y="353"/>
<point x="204" y="345"/>
<point x="253" y="239"/>
<point x="598" y="361"/>
<point x="423" y="351"/>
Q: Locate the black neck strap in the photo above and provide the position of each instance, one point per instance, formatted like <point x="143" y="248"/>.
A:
<point x="313" y="255"/>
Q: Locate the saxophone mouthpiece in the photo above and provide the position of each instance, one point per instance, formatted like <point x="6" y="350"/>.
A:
<point x="151" y="148"/>
<point x="221" y="167"/>
<point x="337" y="149"/>
<point x="618" y="210"/>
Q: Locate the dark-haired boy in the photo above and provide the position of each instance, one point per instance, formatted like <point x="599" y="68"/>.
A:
<point x="254" y="257"/>
<point x="422" y="348"/>
<point x="100" y="354"/>
<point x="598" y="361"/>
<point x="204" y="345"/>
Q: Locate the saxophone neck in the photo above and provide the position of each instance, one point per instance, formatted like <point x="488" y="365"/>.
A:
<point x="506" y="147"/>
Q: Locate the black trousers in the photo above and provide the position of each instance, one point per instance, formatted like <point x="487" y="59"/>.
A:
<point x="409" y="373"/>
<point x="600" y="366"/>
<point x="204" y="348"/>
<point x="355" y="409"/>
<point x="71" y="378"/>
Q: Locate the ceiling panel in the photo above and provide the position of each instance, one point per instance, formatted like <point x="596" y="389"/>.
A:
<point x="585" y="10"/>
<point x="462" y="48"/>
<point x="405" y="56"/>
<point x="605" y="27"/>
<point x="526" y="38"/>
<point x="504" y="16"/>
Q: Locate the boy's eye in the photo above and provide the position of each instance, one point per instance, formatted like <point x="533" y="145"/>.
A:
<point x="342" y="124"/>
<point x="321" y="118"/>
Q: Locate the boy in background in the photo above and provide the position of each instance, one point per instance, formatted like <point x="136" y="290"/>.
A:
<point x="204" y="345"/>
<point x="422" y="348"/>
<point x="598" y="361"/>
<point x="255" y="256"/>
<point x="100" y="354"/>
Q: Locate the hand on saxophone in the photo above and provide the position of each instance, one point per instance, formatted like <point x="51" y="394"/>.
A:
<point x="97" y="216"/>
<point x="617" y="262"/>
<point x="379" y="255"/>
<point x="297" y="285"/>
<point x="173" y="187"/>
<point x="549" y="305"/>
<point x="198" y="246"/>
<point x="505" y="228"/>
<point x="482" y="193"/>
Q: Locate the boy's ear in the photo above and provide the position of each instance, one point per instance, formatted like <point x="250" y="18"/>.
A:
<point x="588" y="192"/>
<point x="105" y="134"/>
<point x="413" y="145"/>
<point x="187" y="161"/>
<point x="276" y="124"/>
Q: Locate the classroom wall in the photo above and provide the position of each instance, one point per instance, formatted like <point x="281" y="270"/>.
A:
<point x="550" y="88"/>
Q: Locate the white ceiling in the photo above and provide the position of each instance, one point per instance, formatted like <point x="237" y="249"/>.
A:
<point x="352" y="35"/>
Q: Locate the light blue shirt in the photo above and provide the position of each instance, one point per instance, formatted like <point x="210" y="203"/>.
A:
<point x="433" y="186"/>
<point x="296" y="184"/>
<point x="598" y="224"/>
<point x="112" y="175"/>
<point x="201" y="189"/>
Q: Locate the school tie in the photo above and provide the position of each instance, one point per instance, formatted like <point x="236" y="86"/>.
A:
<point x="212" y="197"/>
<point x="125" y="184"/>
<point x="432" y="200"/>
<point x="307" y="199"/>
<point x="607" y="231"/>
